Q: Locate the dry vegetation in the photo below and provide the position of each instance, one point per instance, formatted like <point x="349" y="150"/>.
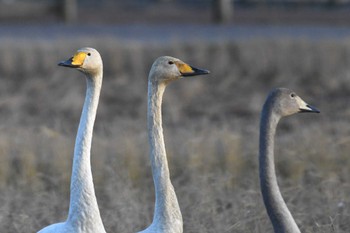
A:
<point x="211" y="130"/>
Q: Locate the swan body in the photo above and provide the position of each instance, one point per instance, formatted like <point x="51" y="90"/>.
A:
<point x="281" y="102"/>
<point x="84" y="215"/>
<point x="167" y="216"/>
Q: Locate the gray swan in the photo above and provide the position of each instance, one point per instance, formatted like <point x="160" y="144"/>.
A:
<point x="280" y="102"/>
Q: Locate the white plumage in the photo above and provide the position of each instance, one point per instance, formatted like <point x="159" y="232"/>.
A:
<point x="84" y="215"/>
<point x="167" y="216"/>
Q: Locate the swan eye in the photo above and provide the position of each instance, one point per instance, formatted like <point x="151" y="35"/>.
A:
<point x="292" y="95"/>
<point x="171" y="63"/>
<point x="89" y="54"/>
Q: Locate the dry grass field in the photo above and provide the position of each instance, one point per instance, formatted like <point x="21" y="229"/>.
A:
<point x="211" y="133"/>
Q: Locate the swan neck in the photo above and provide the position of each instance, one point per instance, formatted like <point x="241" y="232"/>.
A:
<point x="83" y="209"/>
<point x="277" y="209"/>
<point x="167" y="211"/>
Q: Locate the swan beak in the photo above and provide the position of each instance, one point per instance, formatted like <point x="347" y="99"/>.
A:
<point x="187" y="70"/>
<point x="74" y="62"/>
<point x="304" y="107"/>
<point x="67" y="63"/>
<point x="309" y="108"/>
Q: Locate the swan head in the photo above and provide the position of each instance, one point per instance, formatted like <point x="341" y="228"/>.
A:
<point x="166" y="69"/>
<point x="87" y="60"/>
<point x="286" y="102"/>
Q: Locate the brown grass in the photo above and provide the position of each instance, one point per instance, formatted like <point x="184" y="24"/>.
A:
<point x="211" y="131"/>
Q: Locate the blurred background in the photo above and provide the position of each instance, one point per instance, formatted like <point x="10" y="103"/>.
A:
<point x="210" y="123"/>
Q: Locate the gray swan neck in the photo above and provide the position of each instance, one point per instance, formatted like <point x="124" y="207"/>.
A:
<point x="277" y="209"/>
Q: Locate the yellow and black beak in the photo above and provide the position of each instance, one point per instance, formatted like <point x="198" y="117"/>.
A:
<point x="187" y="70"/>
<point x="74" y="62"/>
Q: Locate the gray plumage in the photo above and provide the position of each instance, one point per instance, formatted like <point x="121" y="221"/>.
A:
<point x="280" y="102"/>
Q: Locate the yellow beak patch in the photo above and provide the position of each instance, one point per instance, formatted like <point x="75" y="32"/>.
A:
<point x="78" y="59"/>
<point x="184" y="68"/>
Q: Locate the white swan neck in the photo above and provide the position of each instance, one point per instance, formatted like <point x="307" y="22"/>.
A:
<point x="277" y="209"/>
<point x="83" y="210"/>
<point x="167" y="214"/>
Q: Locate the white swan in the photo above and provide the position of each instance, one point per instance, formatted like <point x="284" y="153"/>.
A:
<point x="280" y="102"/>
<point x="167" y="216"/>
<point x="84" y="215"/>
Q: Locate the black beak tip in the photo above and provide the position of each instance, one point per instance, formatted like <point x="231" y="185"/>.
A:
<point x="313" y="109"/>
<point x="67" y="63"/>
<point x="200" y="71"/>
<point x="61" y="63"/>
<point x="206" y="71"/>
<point x="310" y="109"/>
